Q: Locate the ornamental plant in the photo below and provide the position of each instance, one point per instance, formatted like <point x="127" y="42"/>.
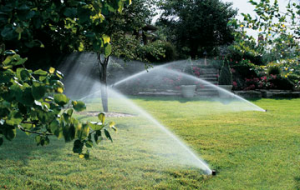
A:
<point x="225" y="74"/>
<point x="33" y="102"/>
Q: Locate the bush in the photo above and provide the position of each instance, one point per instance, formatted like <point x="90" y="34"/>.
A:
<point x="274" y="70"/>
<point x="166" y="47"/>
<point x="282" y="83"/>
<point x="225" y="74"/>
<point x="236" y="55"/>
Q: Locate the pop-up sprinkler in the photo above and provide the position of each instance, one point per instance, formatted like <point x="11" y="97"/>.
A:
<point x="213" y="172"/>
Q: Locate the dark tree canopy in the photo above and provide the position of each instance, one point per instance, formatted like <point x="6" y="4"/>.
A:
<point x="196" y="26"/>
<point x="43" y="29"/>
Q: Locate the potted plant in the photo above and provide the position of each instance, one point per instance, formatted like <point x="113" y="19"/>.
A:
<point x="225" y="79"/>
<point x="188" y="88"/>
<point x="188" y="91"/>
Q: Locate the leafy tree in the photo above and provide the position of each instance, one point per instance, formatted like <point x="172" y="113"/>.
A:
<point x="123" y="30"/>
<point x="197" y="25"/>
<point x="66" y="26"/>
<point x="33" y="102"/>
<point x="277" y="31"/>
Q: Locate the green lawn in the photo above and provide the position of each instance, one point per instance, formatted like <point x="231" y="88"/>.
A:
<point x="249" y="150"/>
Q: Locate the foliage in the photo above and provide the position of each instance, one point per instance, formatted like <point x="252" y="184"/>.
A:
<point x="56" y="26"/>
<point x="268" y="82"/>
<point x="196" y="26"/>
<point x="277" y="30"/>
<point x="242" y="50"/>
<point x="274" y="70"/>
<point x="165" y="54"/>
<point x="225" y="74"/>
<point x="129" y="48"/>
<point x="289" y="69"/>
<point x="33" y="102"/>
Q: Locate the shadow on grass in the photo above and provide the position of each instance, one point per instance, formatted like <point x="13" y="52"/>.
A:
<point x="24" y="148"/>
<point x="297" y="180"/>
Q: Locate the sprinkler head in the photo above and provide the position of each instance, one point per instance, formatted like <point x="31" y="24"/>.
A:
<point x="213" y="172"/>
<point x="266" y="110"/>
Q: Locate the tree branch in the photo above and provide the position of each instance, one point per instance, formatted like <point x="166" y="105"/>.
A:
<point x="34" y="132"/>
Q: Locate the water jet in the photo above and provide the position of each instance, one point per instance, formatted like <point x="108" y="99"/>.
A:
<point x="155" y="138"/>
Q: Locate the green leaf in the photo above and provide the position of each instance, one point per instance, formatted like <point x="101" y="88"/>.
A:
<point x="10" y="133"/>
<point x="70" y="12"/>
<point x="111" y="124"/>
<point x="89" y="144"/>
<point x="96" y="138"/>
<point x="14" y="118"/>
<point x="96" y="125"/>
<point x="78" y="105"/>
<point x="38" y="90"/>
<point x="81" y="47"/>
<point x="54" y="127"/>
<point x="40" y="72"/>
<point x="7" y="60"/>
<point x="45" y="117"/>
<point x="21" y="61"/>
<point x="38" y="139"/>
<point x="8" y="33"/>
<point x="107" y="135"/>
<point x="69" y="133"/>
<point x="25" y="97"/>
<point x="23" y="74"/>
<point x="107" y="50"/>
<point x="82" y="131"/>
<point x="70" y="112"/>
<point x="77" y="148"/>
<point x="85" y="131"/>
<point x="101" y="117"/>
<point x="61" y="99"/>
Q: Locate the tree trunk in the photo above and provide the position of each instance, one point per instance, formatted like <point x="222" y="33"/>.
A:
<point x="103" y="81"/>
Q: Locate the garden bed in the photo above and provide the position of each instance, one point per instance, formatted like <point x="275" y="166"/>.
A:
<point x="268" y="94"/>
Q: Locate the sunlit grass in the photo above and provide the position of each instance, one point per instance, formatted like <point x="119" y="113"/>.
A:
<point x="249" y="150"/>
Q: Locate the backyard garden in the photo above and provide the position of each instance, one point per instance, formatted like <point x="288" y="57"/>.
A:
<point x="149" y="94"/>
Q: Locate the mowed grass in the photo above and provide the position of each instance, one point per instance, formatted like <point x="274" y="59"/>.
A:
<point x="249" y="150"/>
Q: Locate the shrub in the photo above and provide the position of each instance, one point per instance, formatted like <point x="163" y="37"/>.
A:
<point x="282" y="83"/>
<point x="225" y="74"/>
<point x="166" y="47"/>
<point x="274" y="70"/>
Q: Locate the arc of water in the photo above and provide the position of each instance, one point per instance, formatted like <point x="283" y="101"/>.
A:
<point x="257" y="108"/>
<point x="199" y="162"/>
<point x="219" y="88"/>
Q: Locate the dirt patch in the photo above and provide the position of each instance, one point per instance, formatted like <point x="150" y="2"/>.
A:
<point x="109" y="114"/>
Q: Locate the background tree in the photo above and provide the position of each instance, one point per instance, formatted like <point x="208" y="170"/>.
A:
<point x="197" y="26"/>
<point x="122" y="30"/>
<point x="278" y="32"/>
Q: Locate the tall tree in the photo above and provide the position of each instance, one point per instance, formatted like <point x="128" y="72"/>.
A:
<point x="123" y="30"/>
<point x="197" y="25"/>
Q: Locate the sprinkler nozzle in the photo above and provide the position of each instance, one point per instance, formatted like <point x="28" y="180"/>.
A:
<point x="266" y="110"/>
<point x="213" y="172"/>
